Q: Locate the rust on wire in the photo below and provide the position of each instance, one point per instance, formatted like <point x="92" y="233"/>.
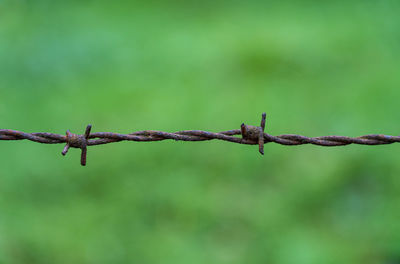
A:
<point x="250" y="135"/>
<point x="78" y="141"/>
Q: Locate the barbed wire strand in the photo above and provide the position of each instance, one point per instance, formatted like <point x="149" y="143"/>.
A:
<point x="250" y="135"/>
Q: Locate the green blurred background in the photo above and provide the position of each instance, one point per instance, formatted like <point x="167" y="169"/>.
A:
<point x="317" y="68"/>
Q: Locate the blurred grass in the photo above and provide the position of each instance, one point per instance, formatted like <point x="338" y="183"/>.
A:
<point x="316" y="69"/>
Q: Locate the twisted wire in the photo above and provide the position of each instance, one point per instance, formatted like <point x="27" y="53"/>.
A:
<point x="250" y="135"/>
<point x="100" y="138"/>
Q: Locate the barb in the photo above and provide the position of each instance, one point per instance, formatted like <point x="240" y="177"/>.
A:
<point x="250" y="135"/>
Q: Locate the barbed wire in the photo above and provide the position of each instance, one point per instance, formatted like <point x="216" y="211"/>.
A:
<point x="250" y="135"/>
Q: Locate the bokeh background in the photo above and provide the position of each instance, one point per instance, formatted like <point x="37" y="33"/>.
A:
<point x="316" y="67"/>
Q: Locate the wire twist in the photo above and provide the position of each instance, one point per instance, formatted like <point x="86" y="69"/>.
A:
<point x="250" y="135"/>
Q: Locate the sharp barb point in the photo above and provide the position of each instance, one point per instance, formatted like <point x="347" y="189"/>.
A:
<point x="65" y="150"/>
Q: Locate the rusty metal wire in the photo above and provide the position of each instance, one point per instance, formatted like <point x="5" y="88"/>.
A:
<point x="250" y="135"/>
